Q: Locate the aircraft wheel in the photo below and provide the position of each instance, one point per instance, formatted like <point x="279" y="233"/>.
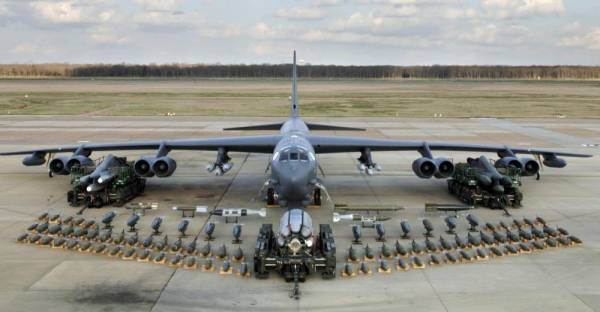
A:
<point x="317" y="197"/>
<point x="270" y="196"/>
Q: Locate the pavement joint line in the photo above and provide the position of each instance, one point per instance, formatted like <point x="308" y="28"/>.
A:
<point x="203" y="225"/>
<point x="434" y="290"/>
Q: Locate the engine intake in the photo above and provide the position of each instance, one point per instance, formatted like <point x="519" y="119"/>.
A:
<point x="164" y="166"/>
<point x="445" y="168"/>
<point x="143" y="167"/>
<point x="424" y="168"/>
<point x="78" y="161"/>
<point x="530" y="166"/>
<point x="58" y="165"/>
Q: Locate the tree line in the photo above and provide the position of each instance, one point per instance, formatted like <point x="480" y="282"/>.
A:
<point x="305" y="71"/>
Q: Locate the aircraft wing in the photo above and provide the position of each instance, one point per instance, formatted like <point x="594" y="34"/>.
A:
<point x="339" y="144"/>
<point x="251" y="144"/>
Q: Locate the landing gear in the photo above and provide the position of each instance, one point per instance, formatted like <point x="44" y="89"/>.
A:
<point x="317" y="197"/>
<point x="270" y="196"/>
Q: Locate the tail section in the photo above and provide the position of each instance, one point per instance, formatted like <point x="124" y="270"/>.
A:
<point x="295" y="110"/>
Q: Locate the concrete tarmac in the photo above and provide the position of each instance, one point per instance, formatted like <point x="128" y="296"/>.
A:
<point x="36" y="278"/>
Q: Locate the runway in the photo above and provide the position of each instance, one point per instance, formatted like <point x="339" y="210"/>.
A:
<point x="566" y="279"/>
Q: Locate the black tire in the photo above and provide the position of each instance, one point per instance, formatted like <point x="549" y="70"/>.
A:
<point x="451" y="187"/>
<point x="317" y="197"/>
<point x="270" y="196"/>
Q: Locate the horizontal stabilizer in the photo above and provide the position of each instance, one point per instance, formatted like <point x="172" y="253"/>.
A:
<point x="277" y="126"/>
<point x="274" y="126"/>
<point x="314" y="126"/>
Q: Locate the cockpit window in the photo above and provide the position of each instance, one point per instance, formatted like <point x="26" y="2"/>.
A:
<point x="284" y="156"/>
<point x="303" y="156"/>
<point x="293" y="156"/>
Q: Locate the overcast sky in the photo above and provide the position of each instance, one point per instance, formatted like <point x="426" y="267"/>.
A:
<point x="397" y="32"/>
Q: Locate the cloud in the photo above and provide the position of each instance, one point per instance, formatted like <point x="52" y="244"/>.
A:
<point x="25" y="48"/>
<point x="107" y="36"/>
<point x="589" y="40"/>
<point x="159" y="5"/>
<point x="522" y="8"/>
<point x="62" y="12"/>
<point x="301" y="13"/>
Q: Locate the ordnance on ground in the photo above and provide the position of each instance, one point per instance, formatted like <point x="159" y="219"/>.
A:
<point x="209" y="229"/>
<point x="112" y="182"/>
<point x="428" y="227"/>
<point x="237" y="233"/>
<point x="473" y="222"/>
<point x="132" y="222"/>
<point x="182" y="227"/>
<point x="451" y="223"/>
<point x="155" y="225"/>
<point x="479" y="182"/>
<point x="406" y="228"/>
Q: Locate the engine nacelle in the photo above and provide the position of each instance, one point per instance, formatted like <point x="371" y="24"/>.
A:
<point x="35" y="159"/>
<point x="143" y="166"/>
<point x="424" y="167"/>
<point x="78" y="161"/>
<point x="508" y="161"/>
<point x="530" y="166"/>
<point x="444" y="168"/>
<point x="554" y="162"/>
<point x="58" y="165"/>
<point x="164" y="166"/>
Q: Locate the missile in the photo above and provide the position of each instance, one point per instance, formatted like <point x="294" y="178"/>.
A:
<point x="238" y="255"/>
<point x="348" y="270"/>
<point x="132" y="221"/>
<point x="222" y="252"/>
<point x="400" y="249"/>
<point x="209" y="229"/>
<point x="406" y="228"/>
<point x="446" y="245"/>
<point x="451" y="222"/>
<point x="237" y="233"/>
<point x="460" y="242"/>
<point x="191" y="263"/>
<point x="108" y="218"/>
<point x="352" y="254"/>
<point x="428" y="227"/>
<point x="244" y="271"/>
<point x="385" y="251"/>
<point x="356" y="233"/>
<point x="239" y="212"/>
<point x="431" y="245"/>
<point x="380" y="231"/>
<point x="155" y="225"/>
<point x="356" y="217"/>
<point x="402" y="265"/>
<point x="473" y="222"/>
<point x="182" y="227"/>
<point x="205" y="251"/>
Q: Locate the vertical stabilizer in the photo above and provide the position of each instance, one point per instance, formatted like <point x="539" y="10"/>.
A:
<point x="295" y="110"/>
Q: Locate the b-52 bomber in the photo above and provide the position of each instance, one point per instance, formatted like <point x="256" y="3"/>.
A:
<point x="293" y="182"/>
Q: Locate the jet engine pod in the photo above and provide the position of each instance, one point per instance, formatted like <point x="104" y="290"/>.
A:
<point x="550" y="160"/>
<point x="445" y="168"/>
<point x="530" y="166"/>
<point x="143" y="166"/>
<point x="35" y="159"/>
<point x="508" y="161"/>
<point x="78" y="161"/>
<point x="58" y="165"/>
<point x="424" y="167"/>
<point x="164" y="166"/>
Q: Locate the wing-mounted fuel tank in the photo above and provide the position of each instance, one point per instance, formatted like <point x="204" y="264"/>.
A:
<point x="160" y="165"/>
<point x="295" y="251"/>
<point x="428" y="166"/>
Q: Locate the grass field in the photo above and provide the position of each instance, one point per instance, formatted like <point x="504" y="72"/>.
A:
<point x="264" y="97"/>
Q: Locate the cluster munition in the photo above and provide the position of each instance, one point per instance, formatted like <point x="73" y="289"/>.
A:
<point x="79" y="234"/>
<point x="483" y="243"/>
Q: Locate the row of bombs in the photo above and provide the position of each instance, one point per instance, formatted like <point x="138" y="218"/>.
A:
<point x="175" y="255"/>
<point x="79" y="226"/>
<point x="526" y="229"/>
<point x="406" y="260"/>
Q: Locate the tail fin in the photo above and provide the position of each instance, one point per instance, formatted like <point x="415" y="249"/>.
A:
<point x="295" y="110"/>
